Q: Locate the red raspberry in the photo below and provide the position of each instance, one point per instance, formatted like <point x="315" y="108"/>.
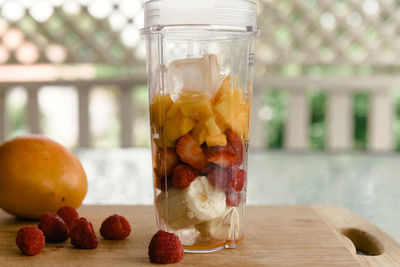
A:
<point x="30" y="240"/>
<point x="183" y="176"/>
<point x="165" y="248"/>
<point x="82" y="234"/>
<point x="53" y="227"/>
<point x="233" y="198"/>
<point x="238" y="180"/>
<point x="69" y="214"/>
<point x="219" y="177"/>
<point x="115" y="227"/>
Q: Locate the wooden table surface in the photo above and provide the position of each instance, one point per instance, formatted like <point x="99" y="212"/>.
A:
<point x="275" y="236"/>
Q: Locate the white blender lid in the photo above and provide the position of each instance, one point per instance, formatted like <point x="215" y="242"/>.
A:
<point x="235" y="13"/>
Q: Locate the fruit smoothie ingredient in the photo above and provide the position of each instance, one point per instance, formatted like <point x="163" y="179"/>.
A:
<point x="161" y="104"/>
<point x="82" y="235"/>
<point x="236" y="143"/>
<point x="224" y="227"/>
<point x="39" y="175"/>
<point x="53" y="227"/>
<point x="183" y="176"/>
<point x="68" y="214"/>
<point x="233" y="198"/>
<point x="166" y="161"/>
<point x="30" y="240"/>
<point x="231" y="108"/>
<point x="177" y="126"/>
<point x="219" y="177"/>
<point x="195" y="105"/>
<point x="195" y="204"/>
<point x="224" y="156"/>
<point x="217" y="140"/>
<point x="190" y="152"/>
<point x="115" y="227"/>
<point x="238" y="180"/>
<point x="165" y="248"/>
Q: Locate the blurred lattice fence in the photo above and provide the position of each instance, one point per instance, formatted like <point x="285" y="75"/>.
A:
<point x="331" y="68"/>
<point x="326" y="70"/>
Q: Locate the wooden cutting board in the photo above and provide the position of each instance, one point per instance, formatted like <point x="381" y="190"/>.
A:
<point x="275" y="236"/>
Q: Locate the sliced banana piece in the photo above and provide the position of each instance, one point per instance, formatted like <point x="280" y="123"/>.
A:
<point x="225" y="227"/>
<point x="199" y="202"/>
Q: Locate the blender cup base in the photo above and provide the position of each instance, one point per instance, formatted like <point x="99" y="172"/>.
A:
<point x="229" y="245"/>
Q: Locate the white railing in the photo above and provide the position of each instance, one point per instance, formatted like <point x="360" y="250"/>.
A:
<point x="340" y="93"/>
<point x="83" y="88"/>
<point x="339" y="109"/>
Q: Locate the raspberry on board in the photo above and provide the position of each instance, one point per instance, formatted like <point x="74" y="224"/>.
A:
<point x="53" y="227"/>
<point x="82" y="235"/>
<point x="165" y="248"/>
<point x="30" y="240"/>
<point x="115" y="227"/>
<point x="69" y="214"/>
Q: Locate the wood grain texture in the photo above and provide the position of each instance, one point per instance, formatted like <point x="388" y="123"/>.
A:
<point x="275" y="236"/>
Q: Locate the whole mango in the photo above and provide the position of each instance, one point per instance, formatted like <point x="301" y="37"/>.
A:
<point x="38" y="175"/>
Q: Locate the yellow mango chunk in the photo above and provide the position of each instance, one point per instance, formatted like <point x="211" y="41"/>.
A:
<point x="231" y="110"/>
<point x="200" y="132"/>
<point x="174" y="110"/>
<point x="212" y="126"/>
<point x="224" y="90"/>
<point x="218" y="140"/>
<point x="177" y="126"/>
<point x="195" y="106"/>
<point x="158" y="109"/>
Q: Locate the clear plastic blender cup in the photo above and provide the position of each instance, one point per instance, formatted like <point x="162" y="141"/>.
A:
<point x="200" y="57"/>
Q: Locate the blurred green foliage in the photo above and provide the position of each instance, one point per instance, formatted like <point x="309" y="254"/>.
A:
<point x="18" y="120"/>
<point x="396" y="124"/>
<point x="277" y="101"/>
<point x="360" y="111"/>
<point x="317" y="130"/>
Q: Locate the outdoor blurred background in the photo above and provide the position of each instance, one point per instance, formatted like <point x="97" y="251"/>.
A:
<point x="74" y="70"/>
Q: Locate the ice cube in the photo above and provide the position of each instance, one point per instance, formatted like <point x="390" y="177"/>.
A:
<point x="194" y="74"/>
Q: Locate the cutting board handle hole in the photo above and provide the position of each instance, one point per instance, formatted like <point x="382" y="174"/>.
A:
<point x="365" y="243"/>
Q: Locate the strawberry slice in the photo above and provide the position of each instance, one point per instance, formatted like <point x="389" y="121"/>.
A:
<point x="190" y="152"/>
<point x="183" y="176"/>
<point x="219" y="177"/>
<point x="233" y="198"/>
<point x="236" y="143"/>
<point x="166" y="161"/>
<point x="238" y="180"/>
<point x="224" y="156"/>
